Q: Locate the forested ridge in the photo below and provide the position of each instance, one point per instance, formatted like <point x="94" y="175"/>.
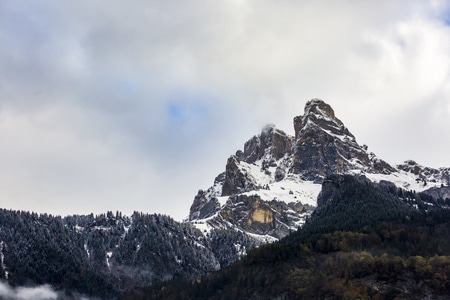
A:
<point x="363" y="242"/>
<point x="107" y="254"/>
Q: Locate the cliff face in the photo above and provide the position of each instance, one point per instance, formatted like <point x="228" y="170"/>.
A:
<point x="324" y="146"/>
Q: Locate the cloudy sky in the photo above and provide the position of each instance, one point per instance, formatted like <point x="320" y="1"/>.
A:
<point x="135" y="105"/>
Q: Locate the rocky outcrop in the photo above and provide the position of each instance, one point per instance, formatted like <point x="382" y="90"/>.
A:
<point x="426" y="174"/>
<point x="271" y="142"/>
<point x="206" y="204"/>
<point x="272" y="218"/>
<point x="332" y="184"/>
<point x="203" y="206"/>
<point x="439" y="192"/>
<point x="324" y="146"/>
<point x="236" y="179"/>
<point x="321" y="114"/>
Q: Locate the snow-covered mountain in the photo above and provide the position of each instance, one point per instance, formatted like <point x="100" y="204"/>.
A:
<point x="269" y="188"/>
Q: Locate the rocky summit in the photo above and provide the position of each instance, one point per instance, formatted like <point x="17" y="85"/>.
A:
<point x="270" y="187"/>
<point x="324" y="146"/>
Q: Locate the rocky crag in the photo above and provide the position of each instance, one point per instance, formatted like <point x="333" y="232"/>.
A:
<point x="270" y="187"/>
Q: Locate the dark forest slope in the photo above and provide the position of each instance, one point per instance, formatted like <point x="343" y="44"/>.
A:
<point x="363" y="242"/>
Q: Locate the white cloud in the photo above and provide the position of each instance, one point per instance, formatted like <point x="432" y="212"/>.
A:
<point x="89" y="92"/>
<point x="44" y="292"/>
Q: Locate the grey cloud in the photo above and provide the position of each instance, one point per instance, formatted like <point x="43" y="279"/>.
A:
<point x="101" y="102"/>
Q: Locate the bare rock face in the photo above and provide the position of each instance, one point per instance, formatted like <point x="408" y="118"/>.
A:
<point x="271" y="141"/>
<point x="272" y="144"/>
<point x="253" y="215"/>
<point x="322" y="115"/>
<point x="203" y="206"/>
<point x="205" y="203"/>
<point x="324" y="146"/>
<point x="297" y="125"/>
<point x="236" y="180"/>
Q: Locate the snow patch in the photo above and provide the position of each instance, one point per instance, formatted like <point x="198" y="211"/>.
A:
<point x="241" y="250"/>
<point x="102" y="228"/>
<point x="87" y="250"/>
<point x="292" y="189"/>
<point x="108" y="257"/>
<point x="203" y="225"/>
<point x="2" y="260"/>
<point x="401" y="179"/>
<point x="266" y="239"/>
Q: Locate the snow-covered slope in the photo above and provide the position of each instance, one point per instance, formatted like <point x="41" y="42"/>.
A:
<point x="269" y="188"/>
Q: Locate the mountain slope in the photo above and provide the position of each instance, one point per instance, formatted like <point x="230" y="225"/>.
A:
<point x="395" y="252"/>
<point x="102" y="255"/>
<point x="271" y="187"/>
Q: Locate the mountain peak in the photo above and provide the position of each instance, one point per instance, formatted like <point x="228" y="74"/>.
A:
<point x="270" y="143"/>
<point x="320" y="116"/>
<point x="318" y="106"/>
<point x="276" y="178"/>
<point x="268" y="129"/>
<point x="324" y="146"/>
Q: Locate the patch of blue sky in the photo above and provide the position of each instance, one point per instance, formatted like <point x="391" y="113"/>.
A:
<point x="189" y="117"/>
<point x="187" y="108"/>
<point x="175" y="111"/>
<point x="447" y="19"/>
<point x="129" y="88"/>
<point x="445" y="16"/>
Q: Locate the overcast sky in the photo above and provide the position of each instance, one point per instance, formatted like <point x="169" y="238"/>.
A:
<point x="135" y="105"/>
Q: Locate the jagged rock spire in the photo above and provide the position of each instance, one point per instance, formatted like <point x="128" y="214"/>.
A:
<point x="324" y="146"/>
<point x="271" y="142"/>
<point x="320" y="114"/>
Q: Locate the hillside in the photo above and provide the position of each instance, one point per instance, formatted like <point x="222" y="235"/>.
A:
<point x="395" y="251"/>
<point x="107" y="254"/>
